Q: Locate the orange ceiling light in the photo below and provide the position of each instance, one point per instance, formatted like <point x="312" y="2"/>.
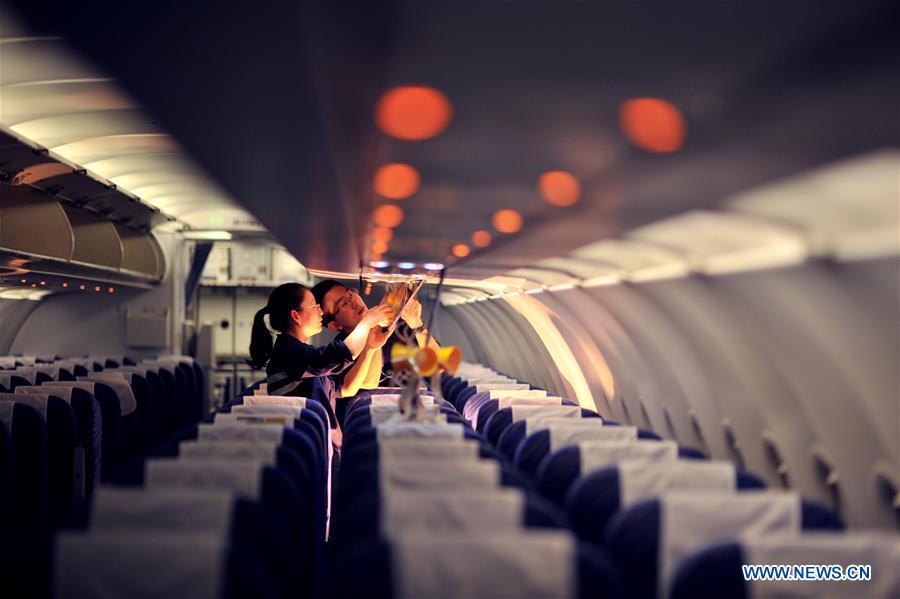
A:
<point x="379" y="247"/>
<point x="652" y="124"/>
<point x="481" y="238"/>
<point x="396" y="181"/>
<point x="382" y="234"/>
<point x="559" y="188"/>
<point x="388" y="215"/>
<point x="507" y="221"/>
<point x="413" y="112"/>
<point x="460" y="250"/>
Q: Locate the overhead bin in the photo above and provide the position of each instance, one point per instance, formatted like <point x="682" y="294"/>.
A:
<point x="39" y="234"/>
<point x="140" y="252"/>
<point x="33" y="224"/>
<point x="96" y="239"/>
<point x="28" y="166"/>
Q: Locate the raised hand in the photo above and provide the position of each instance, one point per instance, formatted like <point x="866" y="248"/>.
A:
<point x="378" y="336"/>
<point x="380" y="315"/>
<point x="412" y="313"/>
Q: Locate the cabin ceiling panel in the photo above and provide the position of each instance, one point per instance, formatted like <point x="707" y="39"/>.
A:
<point x="34" y="101"/>
<point x="283" y="121"/>
<point x="101" y="148"/>
<point x="54" y="100"/>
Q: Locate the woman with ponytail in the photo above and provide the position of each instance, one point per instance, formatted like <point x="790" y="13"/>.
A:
<point x="297" y="368"/>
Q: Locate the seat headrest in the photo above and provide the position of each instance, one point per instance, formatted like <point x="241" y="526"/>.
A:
<point x="268" y="409"/>
<point x="565" y="435"/>
<point x="518" y="400"/>
<point x="86" y="385"/>
<point x="481" y="387"/>
<point x="240" y="432"/>
<point x="525" y="412"/>
<point x="419" y="429"/>
<point x="690" y="520"/>
<point x="594" y="455"/>
<point x="405" y="511"/>
<point x="130" y="565"/>
<point x="36" y="401"/>
<point x="123" y="390"/>
<point x="447" y="448"/>
<point x="415" y="474"/>
<point x="649" y="477"/>
<point x="264" y="451"/>
<point x="391" y="399"/>
<point x="171" y="509"/>
<point x="238" y="419"/>
<point x="64" y="393"/>
<point x="498" y="393"/>
<point x="274" y="400"/>
<point x="242" y="476"/>
<point x="523" y="564"/>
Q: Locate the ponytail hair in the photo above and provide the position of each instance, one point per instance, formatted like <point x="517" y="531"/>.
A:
<point x="282" y="300"/>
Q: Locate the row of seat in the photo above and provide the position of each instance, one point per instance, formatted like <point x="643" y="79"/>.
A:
<point x="68" y="423"/>
<point x="233" y="506"/>
<point x="546" y="500"/>
<point x="658" y="509"/>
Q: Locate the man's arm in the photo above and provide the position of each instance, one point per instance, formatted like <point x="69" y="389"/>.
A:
<point x="366" y="372"/>
<point x="358" y="375"/>
<point x="412" y="315"/>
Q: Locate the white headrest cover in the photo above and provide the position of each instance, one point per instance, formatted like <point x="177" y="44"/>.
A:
<point x="254" y="419"/>
<point x="516" y="400"/>
<point x="537" y="412"/>
<point x="497" y="394"/>
<point x="381" y="414"/>
<point x="264" y="451"/>
<point x="130" y="370"/>
<point x="241" y="476"/>
<point x="391" y="399"/>
<point x="879" y="550"/>
<point x="640" y="479"/>
<point x="404" y="511"/>
<point x="64" y="393"/>
<point x="482" y="387"/>
<point x="38" y="402"/>
<point x="263" y="389"/>
<point x="415" y="474"/>
<point x="594" y="455"/>
<point x="29" y="374"/>
<point x="473" y="407"/>
<point x="86" y="385"/>
<point x="688" y="521"/>
<point x="274" y="400"/>
<point x="419" y="429"/>
<point x="447" y="449"/>
<point x="293" y="411"/>
<point x="533" y="425"/>
<point x="564" y="436"/>
<point x="107" y="375"/>
<point x="240" y="432"/>
<point x="527" y="565"/>
<point x="123" y="390"/>
<point x="170" y="509"/>
<point x="145" y="565"/>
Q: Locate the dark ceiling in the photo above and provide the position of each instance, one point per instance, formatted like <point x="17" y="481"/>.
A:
<point x="276" y="101"/>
